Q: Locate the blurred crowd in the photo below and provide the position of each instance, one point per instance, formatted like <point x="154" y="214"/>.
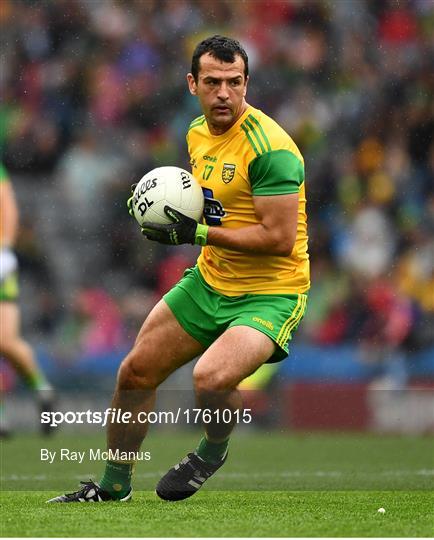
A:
<point x="94" y="95"/>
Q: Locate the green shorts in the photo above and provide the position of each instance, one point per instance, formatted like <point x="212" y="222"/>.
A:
<point x="205" y="314"/>
<point x="9" y="288"/>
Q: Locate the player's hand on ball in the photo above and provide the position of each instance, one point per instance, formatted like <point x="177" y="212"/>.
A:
<point x="130" y="201"/>
<point x="182" y="230"/>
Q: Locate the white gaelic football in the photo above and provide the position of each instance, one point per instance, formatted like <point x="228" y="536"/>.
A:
<point x="169" y="186"/>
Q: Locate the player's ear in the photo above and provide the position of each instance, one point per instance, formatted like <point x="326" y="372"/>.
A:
<point x="191" y="84"/>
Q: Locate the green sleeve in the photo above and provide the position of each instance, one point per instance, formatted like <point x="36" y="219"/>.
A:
<point x="278" y="172"/>
<point x="4" y="177"/>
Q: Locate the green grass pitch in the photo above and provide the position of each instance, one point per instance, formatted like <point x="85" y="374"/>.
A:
<point x="274" y="484"/>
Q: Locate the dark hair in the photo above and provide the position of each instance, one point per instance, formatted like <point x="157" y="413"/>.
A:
<point x="222" y="48"/>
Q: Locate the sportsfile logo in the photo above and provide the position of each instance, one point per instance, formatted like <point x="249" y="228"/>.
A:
<point x="267" y="324"/>
<point x="176" y="416"/>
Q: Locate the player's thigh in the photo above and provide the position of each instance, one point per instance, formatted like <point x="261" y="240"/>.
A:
<point x="235" y="355"/>
<point x="162" y="345"/>
<point x="9" y="323"/>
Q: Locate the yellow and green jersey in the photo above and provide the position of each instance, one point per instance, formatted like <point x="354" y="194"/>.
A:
<point x="254" y="157"/>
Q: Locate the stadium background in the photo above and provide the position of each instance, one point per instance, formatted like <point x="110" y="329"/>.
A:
<point x="94" y="95"/>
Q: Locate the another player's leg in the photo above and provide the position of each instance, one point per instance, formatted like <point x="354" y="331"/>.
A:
<point x="5" y="430"/>
<point x="161" y="347"/>
<point x="236" y="354"/>
<point x="20" y="355"/>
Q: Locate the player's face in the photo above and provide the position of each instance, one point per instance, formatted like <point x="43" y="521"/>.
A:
<point x="221" y="88"/>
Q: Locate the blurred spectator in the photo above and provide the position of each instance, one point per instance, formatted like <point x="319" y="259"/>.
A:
<point x="372" y="315"/>
<point x="94" y="327"/>
<point x="369" y="244"/>
<point x="102" y="330"/>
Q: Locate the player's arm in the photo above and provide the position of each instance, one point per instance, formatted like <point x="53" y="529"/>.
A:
<point x="274" y="234"/>
<point x="8" y="226"/>
<point x="9" y="215"/>
<point x="275" y="179"/>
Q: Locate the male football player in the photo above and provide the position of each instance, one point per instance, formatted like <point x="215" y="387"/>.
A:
<point x="12" y="346"/>
<point x="239" y="306"/>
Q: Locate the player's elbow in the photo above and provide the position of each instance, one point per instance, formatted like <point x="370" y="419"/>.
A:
<point x="280" y="239"/>
<point x="284" y="249"/>
<point x="282" y="245"/>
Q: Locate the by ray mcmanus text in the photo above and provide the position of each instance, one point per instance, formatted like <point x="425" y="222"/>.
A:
<point x="92" y="454"/>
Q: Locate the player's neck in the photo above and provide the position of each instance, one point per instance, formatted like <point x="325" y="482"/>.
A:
<point x="220" y="130"/>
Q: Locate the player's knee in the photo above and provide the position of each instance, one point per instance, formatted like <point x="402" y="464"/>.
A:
<point x="135" y="373"/>
<point x="209" y="380"/>
<point x="7" y="346"/>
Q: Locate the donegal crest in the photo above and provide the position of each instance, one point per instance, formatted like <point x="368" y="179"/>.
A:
<point x="228" y="172"/>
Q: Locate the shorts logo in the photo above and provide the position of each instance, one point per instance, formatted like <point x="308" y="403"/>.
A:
<point x="267" y="324"/>
<point x="228" y="172"/>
